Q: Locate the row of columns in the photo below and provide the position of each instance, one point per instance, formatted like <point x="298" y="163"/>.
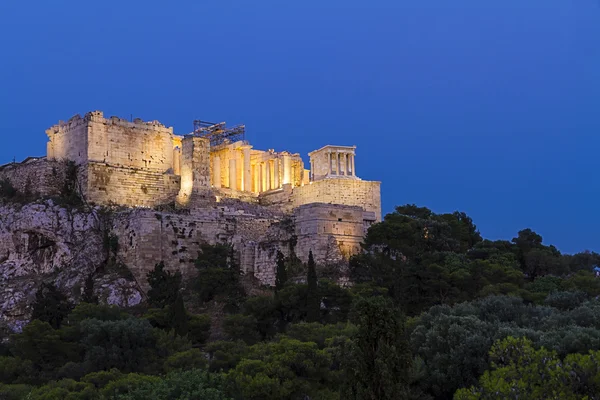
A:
<point x="340" y="163"/>
<point x="265" y="174"/>
<point x="233" y="166"/>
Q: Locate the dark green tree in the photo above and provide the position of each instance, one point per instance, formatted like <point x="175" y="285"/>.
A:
<point x="313" y="301"/>
<point x="88" y="295"/>
<point x="179" y="317"/>
<point x="164" y="286"/>
<point x="50" y="305"/>
<point x="219" y="275"/>
<point x="281" y="274"/>
<point x="378" y="362"/>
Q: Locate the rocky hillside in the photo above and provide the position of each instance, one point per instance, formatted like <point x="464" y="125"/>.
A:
<point x="46" y="242"/>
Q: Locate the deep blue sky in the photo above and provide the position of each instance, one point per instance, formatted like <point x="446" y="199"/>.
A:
<point x="491" y="107"/>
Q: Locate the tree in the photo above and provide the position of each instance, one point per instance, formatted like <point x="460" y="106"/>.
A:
<point x="313" y="301"/>
<point x="281" y="274"/>
<point x="520" y="371"/>
<point x="378" y="360"/>
<point x="129" y="345"/>
<point x="284" y="369"/>
<point x="177" y="385"/>
<point x="50" y="305"/>
<point x="164" y="286"/>
<point x="88" y="295"/>
<point x="41" y="345"/>
<point x="179" y="317"/>
<point x="219" y="275"/>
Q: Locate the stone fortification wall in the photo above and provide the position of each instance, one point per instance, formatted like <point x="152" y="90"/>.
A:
<point x="344" y="223"/>
<point x="35" y="176"/>
<point x="137" y="144"/>
<point x="350" y="192"/>
<point x="130" y="187"/>
<point x="69" y="140"/>
<point x="147" y="237"/>
<point x="115" y="141"/>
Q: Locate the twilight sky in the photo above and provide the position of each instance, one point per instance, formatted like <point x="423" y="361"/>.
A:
<point x="489" y="107"/>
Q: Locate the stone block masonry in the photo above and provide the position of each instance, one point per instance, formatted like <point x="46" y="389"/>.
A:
<point x="365" y="194"/>
<point x="113" y="141"/>
<point x="130" y="187"/>
<point x="36" y="176"/>
<point x="195" y="172"/>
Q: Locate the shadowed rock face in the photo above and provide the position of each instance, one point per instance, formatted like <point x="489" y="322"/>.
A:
<point x="44" y="242"/>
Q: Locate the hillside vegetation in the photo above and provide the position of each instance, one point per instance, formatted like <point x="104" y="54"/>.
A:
<point x="434" y="312"/>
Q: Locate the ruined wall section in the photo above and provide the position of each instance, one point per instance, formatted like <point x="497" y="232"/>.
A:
<point x="195" y="172"/>
<point x="130" y="187"/>
<point x="365" y="194"/>
<point x="349" y="192"/>
<point x="146" y="237"/>
<point x="69" y="140"/>
<point x="316" y="222"/>
<point x="137" y="144"/>
<point x="38" y="177"/>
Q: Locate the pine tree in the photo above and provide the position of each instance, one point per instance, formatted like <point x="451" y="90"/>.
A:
<point x="281" y="274"/>
<point x="313" y="300"/>
<point x="378" y="362"/>
<point x="164" y="286"/>
<point x="50" y="305"/>
<point x="88" y="291"/>
<point x="179" y="317"/>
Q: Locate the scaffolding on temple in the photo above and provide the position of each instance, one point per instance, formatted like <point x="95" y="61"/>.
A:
<point x="219" y="133"/>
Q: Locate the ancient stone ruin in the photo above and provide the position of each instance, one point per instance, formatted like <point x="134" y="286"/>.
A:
<point x="171" y="193"/>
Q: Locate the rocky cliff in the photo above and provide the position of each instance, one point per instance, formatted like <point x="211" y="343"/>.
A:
<point x="46" y="242"/>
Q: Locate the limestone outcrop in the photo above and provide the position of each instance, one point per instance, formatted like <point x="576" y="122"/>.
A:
<point x="46" y="242"/>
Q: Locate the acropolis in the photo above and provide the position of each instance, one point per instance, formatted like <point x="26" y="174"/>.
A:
<point x="217" y="186"/>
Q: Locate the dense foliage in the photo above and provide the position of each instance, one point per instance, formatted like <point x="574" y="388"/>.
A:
<point x="434" y="312"/>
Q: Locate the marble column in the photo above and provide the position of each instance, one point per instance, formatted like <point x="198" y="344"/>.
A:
<point x="263" y="179"/>
<point x="353" y="169"/>
<point x="287" y="169"/>
<point x="247" y="169"/>
<point x="343" y="170"/>
<point x="177" y="161"/>
<point x="269" y="174"/>
<point x="276" y="173"/>
<point x="232" y="174"/>
<point x="217" y="172"/>
<point x="254" y="178"/>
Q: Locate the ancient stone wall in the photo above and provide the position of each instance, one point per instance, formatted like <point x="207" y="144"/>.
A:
<point x="146" y="237"/>
<point x="138" y="144"/>
<point x="365" y="194"/>
<point x="195" y="170"/>
<point x="69" y="140"/>
<point x="35" y="176"/>
<point x="344" y="223"/>
<point x="350" y="192"/>
<point x="130" y="187"/>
